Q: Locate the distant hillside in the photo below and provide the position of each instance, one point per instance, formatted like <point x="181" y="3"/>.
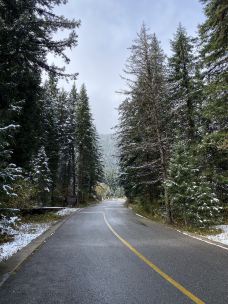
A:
<point x="111" y="168"/>
<point x="109" y="149"/>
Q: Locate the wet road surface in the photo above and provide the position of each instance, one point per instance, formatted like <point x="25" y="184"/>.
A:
<point x="105" y="254"/>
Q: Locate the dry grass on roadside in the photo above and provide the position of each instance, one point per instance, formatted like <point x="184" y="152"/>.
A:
<point x="202" y="231"/>
<point x="5" y="238"/>
<point x="155" y="216"/>
<point x="41" y="218"/>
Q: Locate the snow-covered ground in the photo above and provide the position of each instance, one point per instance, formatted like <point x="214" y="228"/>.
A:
<point x="22" y="237"/>
<point x="221" y="237"/>
<point x="66" y="211"/>
<point x="24" y="233"/>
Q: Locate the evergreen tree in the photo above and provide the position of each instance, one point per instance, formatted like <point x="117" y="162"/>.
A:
<point x="134" y="177"/>
<point x="181" y="78"/>
<point x="134" y="162"/>
<point x="192" y="199"/>
<point x="89" y="166"/>
<point x="73" y="98"/>
<point x="213" y="34"/>
<point x="49" y="127"/>
<point x="67" y="125"/>
<point x="143" y="121"/>
<point x="41" y="176"/>
<point x="27" y="29"/>
<point x="64" y="152"/>
<point x="9" y="172"/>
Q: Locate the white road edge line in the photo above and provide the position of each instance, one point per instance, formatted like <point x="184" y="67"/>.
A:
<point x="198" y="238"/>
<point x="194" y="237"/>
<point x="185" y="233"/>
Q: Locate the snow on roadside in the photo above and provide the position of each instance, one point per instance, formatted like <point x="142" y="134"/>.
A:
<point x="221" y="237"/>
<point x="66" y="211"/>
<point x="25" y="233"/>
<point x="22" y="237"/>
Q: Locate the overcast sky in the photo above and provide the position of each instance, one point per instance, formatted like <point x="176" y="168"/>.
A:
<point x="107" y="30"/>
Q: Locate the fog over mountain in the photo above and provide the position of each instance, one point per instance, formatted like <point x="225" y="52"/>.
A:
<point x="109" y="149"/>
<point x="111" y="169"/>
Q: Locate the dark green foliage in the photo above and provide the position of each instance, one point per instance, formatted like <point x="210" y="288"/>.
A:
<point x="25" y="194"/>
<point x="192" y="198"/>
<point x="89" y="166"/>
<point x="172" y="134"/>
<point x="41" y="176"/>
<point x="49" y="128"/>
<point x="143" y="128"/>
<point x="70" y="141"/>
<point x="9" y="172"/>
<point x="213" y="35"/>
<point x="27" y="29"/>
<point x="172" y="130"/>
<point x="71" y="135"/>
<point x="181" y="73"/>
<point x="67" y="139"/>
<point x="38" y="123"/>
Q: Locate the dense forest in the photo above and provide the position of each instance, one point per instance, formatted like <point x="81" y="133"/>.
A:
<point x="172" y="131"/>
<point x="49" y="147"/>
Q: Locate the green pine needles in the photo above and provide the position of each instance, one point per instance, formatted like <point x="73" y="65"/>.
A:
<point x="172" y="132"/>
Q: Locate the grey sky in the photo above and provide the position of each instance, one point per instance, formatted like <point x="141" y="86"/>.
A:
<point x="107" y="30"/>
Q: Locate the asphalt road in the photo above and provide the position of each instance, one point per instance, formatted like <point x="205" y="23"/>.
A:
<point x="107" y="255"/>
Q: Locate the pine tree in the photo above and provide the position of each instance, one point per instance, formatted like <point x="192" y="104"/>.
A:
<point x="126" y="136"/>
<point x="213" y="35"/>
<point x="181" y="78"/>
<point x="135" y="175"/>
<point x="41" y="176"/>
<point x="73" y="98"/>
<point x="67" y="125"/>
<point x="190" y="191"/>
<point x="49" y="127"/>
<point x="9" y="172"/>
<point x="143" y="151"/>
<point x="192" y="199"/>
<point x="89" y="166"/>
<point x="66" y="117"/>
<point x="135" y="165"/>
<point x="64" y="152"/>
<point x="27" y="29"/>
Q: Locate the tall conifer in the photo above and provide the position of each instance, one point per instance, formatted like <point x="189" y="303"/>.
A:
<point x="89" y="165"/>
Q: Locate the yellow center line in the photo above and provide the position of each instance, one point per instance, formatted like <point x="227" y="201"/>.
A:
<point x="180" y="287"/>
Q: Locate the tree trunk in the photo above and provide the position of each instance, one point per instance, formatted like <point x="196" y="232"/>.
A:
<point x="163" y="164"/>
<point x="169" y="218"/>
<point x="73" y="172"/>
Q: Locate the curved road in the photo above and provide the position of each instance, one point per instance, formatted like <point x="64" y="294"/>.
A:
<point x="105" y="254"/>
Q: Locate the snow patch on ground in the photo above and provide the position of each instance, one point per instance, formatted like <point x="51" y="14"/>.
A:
<point x="221" y="237"/>
<point x="23" y="233"/>
<point x="66" y="211"/>
<point x="22" y="237"/>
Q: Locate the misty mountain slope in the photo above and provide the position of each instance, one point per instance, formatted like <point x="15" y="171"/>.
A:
<point x="111" y="168"/>
<point x="109" y="150"/>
